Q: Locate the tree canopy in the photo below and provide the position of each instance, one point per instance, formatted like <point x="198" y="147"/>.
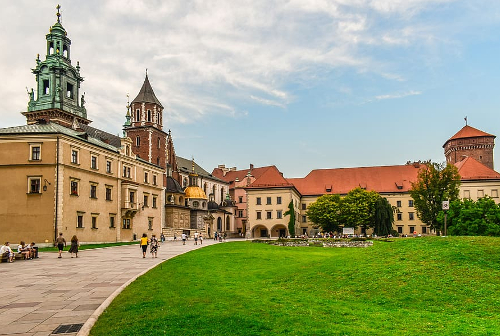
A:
<point x="358" y="208"/>
<point x="435" y="183"/>
<point x="384" y="217"/>
<point x="326" y="212"/>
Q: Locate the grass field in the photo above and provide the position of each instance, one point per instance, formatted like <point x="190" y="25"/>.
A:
<point x="430" y="286"/>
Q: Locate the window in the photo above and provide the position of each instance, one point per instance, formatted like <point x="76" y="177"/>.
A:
<point x="108" y="166"/>
<point x="399" y="216"/>
<point x="126" y="171"/>
<point x="398" y="204"/>
<point x="94" y="221"/>
<point x="259" y="215"/>
<point x="154" y="179"/>
<point x="150" y="223"/>
<point x="278" y="200"/>
<point x="137" y="141"/>
<point x="304" y="219"/>
<point x="424" y="229"/>
<point x="155" y="198"/>
<point x="411" y="216"/>
<point x="466" y="193"/>
<point x="480" y="193"/>
<point x="132" y="197"/>
<point x="93" y="191"/>
<point x="146" y="199"/>
<point x="269" y="215"/>
<point x="79" y="220"/>
<point x="69" y="90"/>
<point x="149" y="115"/>
<point x="400" y="229"/>
<point x="126" y="223"/>
<point x="268" y="200"/>
<point x="74" y="187"/>
<point x="35" y="152"/>
<point x="240" y="199"/>
<point x="74" y="156"/>
<point x="46" y="87"/>
<point x="159" y="142"/>
<point x="93" y="162"/>
<point x="304" y="206"/>
<point x="196" y="204"/>
<point x="279" y="214"/>
<point x="410" y="203"/>
<point x="137" y="115"/>
<point x="259" y="202"/>
<point x="494" y="193"/>
<point x="184" y="182"/>
<point x="412" y="229"/>
<point x="109" y="190"/>
<point x="146" y="177"/>
<point x="240" y="213"/>
<point x="34" y="185"/>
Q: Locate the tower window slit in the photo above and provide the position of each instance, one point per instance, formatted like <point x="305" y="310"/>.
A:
<point x="69" y="90"/>
<point x="51" y="48"/>
<point x="65" y="51"/>
<point x="45" y="86"/>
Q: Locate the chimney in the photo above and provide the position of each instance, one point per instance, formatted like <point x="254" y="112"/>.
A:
<point x="251" y="166"/>
<point x="221" y="166"/>
<point x="416" y="164"/>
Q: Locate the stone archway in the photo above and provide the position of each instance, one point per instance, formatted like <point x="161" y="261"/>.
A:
<point x="278" y="231"/>
<point x="260" y="231"/>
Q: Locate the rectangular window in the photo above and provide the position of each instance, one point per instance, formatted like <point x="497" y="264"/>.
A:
<point x="79" y="220"/>
<point x="126" y="171"/>
<point x="399" y="216"/>
<point x="109" y="190"/>
<point x="132" y="197"/>
<point x="240" y="199"/>
<point x="466" y="194"/>
<point x="146" y="177"/>
<point x="410" y="203"/>
<point x="137" y="141"/>
<point x="150" y="223"/>
<point x="154" y="201"/>
<point x="269" y="215"/>
<point x="93" y="191"/>
<point x="74" y="187"/>
<point x="278" y="200"/>
<point x="34" y="185"/>
<point x="494" y="193"/>
<point x="112" y="220"/>
<point x="240" y="213"/>
<point x="46" y="87"/>
<point x="69" y="90"/>
<point x="145" y="204"/>
<point x="268" y="200"/>
<point x="279" y="214"/>
<point x="412" y="229"/>
<point x="126" y="223"/>
<point x="74" y="156"/>
<point x="93" y="162"/>
<point x="259" y="215"/>
<point x="259" y="202"/>
<point x="35" y="153"/>
<point x="480" y="193"/>
<point x="411" y="216"/>
<point x="304" y="219"/>
<point x="400" y="229"/>
<point x="94" y="221"/>
<point x="398" y="204"/>
<point x="108" y="167"/>
<point x="424" y="229"/>
<point x="304" y="206"/>
<point x="154" y="180"/>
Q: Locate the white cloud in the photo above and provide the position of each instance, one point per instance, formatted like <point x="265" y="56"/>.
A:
<point x="398" y="95"/>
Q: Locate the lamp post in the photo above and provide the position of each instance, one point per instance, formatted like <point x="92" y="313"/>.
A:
<point x="446" y="207"/>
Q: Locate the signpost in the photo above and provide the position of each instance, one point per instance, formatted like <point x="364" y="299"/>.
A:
<point x="446" y="207"/>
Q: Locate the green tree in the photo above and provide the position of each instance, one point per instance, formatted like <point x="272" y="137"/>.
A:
<point x="469" y="218"/>
<point x="291" y="221"/>
<point x="358" y="208"/>
<point x="435" y="184"/>
<point x="326" y="212"/>
<point x="384" y="217"/>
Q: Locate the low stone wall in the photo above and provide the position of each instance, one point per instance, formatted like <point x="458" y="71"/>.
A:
<point x="316" y="242"/>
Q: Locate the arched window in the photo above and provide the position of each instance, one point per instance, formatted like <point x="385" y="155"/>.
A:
<point x="219" y="224"/>
<point x="228" y="224"/>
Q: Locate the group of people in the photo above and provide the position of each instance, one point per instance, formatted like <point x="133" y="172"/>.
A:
<point x="27" y="251"/>
<point x="220" y="236"/>
<point x="61" y="244"/>
<point x="153" y="243"/>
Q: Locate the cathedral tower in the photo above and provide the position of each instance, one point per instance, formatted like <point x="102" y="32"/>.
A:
<point x="145" y="126"/>
<point x="472" y="142"/>
<point x="57" y="94"/>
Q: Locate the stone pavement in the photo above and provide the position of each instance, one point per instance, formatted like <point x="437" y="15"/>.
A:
<point x="49" y="296"/>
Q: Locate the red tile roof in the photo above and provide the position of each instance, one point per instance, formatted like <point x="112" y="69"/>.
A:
<point x="469" y="132"/>
<point x="382" y="179"/>
<point x="264" y="176"/>
<point x="471" y="169"/>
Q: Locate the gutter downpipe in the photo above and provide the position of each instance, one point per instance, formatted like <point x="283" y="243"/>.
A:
<point x="57" y="191"/>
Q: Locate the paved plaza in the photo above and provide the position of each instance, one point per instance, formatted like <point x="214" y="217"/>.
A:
<point x="48" y="296"/>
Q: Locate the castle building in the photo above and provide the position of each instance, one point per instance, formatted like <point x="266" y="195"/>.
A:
<point x="65" y="176"/>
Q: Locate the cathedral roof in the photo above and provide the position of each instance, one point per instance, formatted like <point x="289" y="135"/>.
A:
<point x="471" y="169"/>
<point x="146" y="94"/>
<point x="469" y="132"/>
<point x="173" y="186"/>
<point x="185" y="166"/>
<point x="195" y="192"/>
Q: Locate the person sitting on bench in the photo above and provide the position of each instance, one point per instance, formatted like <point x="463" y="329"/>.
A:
<point x="7" y="251"/>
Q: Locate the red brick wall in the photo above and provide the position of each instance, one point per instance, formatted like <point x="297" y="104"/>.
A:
<point x="479" y="148"/>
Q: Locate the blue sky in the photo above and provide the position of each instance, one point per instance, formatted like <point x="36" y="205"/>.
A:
<point x="297" y="84"/>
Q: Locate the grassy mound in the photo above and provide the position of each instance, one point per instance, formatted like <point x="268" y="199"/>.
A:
<point x="432" y="286"/>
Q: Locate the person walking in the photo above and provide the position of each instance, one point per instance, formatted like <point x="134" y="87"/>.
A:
<point x="144" y="244"/>
<point x="61" y="243"/>
<point x="184" y="237"/>
<point x="153" y="247"/>
<point x="196" y="234"/>
<point x="74" y="246"/>
<point x="201" y="239"/>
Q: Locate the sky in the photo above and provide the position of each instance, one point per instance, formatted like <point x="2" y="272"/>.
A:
<point x="300" y="84"/>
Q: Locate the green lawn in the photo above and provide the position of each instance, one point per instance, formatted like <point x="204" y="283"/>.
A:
<point x="431" y="286"/>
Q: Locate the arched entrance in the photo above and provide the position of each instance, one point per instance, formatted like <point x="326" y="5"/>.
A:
<point x="279" y="231"/>
<point x="260" y="231"/>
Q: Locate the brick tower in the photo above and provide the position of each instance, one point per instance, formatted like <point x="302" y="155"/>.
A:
<point x="470" y="142"/>
<point x="145" y="126"/>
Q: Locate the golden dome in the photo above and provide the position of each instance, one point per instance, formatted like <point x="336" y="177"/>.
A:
<point x="195" y="192"/>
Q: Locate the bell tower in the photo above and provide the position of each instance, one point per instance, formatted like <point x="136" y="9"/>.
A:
<point x="145" y="126"/>
<point x="57" y="94"/>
